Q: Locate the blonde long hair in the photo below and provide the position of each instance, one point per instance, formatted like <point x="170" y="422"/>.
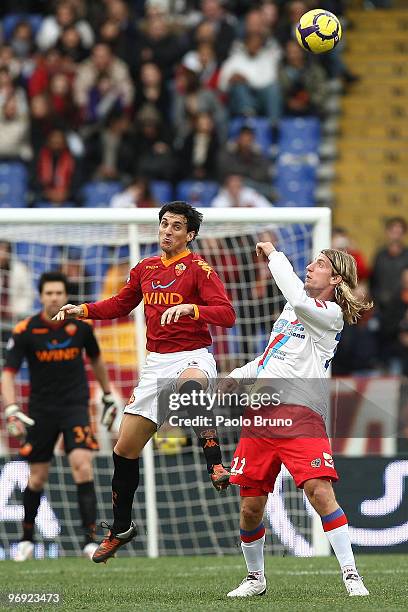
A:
<point x="345" y="266"/>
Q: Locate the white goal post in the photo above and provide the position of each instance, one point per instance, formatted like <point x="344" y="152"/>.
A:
<point x="140" y="225"/>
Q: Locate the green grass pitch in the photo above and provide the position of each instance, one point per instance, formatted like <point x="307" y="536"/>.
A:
<point x="201" y="583"/>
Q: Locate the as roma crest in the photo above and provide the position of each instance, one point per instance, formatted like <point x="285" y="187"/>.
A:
<point x="71" y="329"/>
<point x="179" y="268"/>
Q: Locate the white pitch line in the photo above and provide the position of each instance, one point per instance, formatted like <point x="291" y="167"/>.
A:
<point x="238" y="567"/>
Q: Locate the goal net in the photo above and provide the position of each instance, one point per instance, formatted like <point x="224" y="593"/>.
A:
<point x="176" y="509"/>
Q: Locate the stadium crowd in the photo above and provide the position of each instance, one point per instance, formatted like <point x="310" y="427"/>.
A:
<point x="137" y="91"/>
<point x="134" y="92"/>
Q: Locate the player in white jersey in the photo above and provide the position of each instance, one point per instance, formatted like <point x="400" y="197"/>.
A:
<point x="302" y="343"/>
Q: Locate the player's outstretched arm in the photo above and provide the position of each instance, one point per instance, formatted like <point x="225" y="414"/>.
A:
<point x="69" y="310"/>
<point x="317" y="316"/>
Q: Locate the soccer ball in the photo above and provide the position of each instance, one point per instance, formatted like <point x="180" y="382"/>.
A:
<point x="170" y="442"/>
<point x="318" y="31"/>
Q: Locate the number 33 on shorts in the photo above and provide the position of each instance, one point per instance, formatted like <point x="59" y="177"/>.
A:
<point x="238" y="464"/>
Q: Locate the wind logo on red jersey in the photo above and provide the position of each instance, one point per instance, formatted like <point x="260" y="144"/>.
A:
<point x="160" y="298"/>
<point x="179" y="268"/>
<point x="157" y="285"/>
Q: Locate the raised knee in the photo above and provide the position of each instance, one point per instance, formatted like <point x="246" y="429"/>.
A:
<point x="125" y="450"/>
<point x="36" y="482"/>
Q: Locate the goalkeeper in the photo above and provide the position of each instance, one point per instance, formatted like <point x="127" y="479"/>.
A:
<point x="182" y="295"/>
<point x="58" y="403"/>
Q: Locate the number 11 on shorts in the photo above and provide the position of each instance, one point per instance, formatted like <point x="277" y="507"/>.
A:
<point x="234" y="467"/>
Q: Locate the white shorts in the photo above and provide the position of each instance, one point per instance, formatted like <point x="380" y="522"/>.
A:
<point x="159" y="373"/>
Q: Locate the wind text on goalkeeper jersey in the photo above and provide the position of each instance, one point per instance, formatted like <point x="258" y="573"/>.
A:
<point x="160" y="283"/>
<point x="54" y="353"/>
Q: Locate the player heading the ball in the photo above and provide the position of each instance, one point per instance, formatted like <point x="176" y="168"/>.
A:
<point x="182" y="294"/>
<point x="315" y="310"/>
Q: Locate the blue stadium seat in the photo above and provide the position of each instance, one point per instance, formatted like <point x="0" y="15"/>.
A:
<point x="10" y="22"/>
<point x="296" y="194"/>
<point x="304" y="173"/>
<point x="197" y="193"/>
<point x="162" y="191"/>
<point x="299" y="135"/>
<point x="98" y="194"/>
<point x="13" y="185"/>
<point x="261" y="127"/>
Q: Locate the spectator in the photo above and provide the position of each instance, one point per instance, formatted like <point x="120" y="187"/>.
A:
<point x="358" y="351"/>
<point x="203" y="61"/>
<point x="190" y="98"/>
<point x="14" y="128"/>
<point x="16" y="292"/>
<point x="118" y="30"/>
<point x="387" y="268"/>
<point x="261" y="21"/>
<point x="22" y="45"/>
<point x="244" y="157"/>
<point x="302" y="82"/>
<point x="70" y="45"/>
<point x="219" y="26"/>
<point x="113" y="282"/>
<point x="197" y="157"/>
<point x="235" y="193"/>
<point x="151" y="90"/>
<point x="56" y="169"/>
<point x="153" y="149"/>
<point x="270" y="16"/>
<point x="104" y="99"/>
<point x="109" y="151"/>
<point x="250" y="77"/>
<point x="9" y="61"/>
<point x="47" y="65"/>
<point x="136" y="195"/>
<point x="53" y="25"/>
<point x="342" y="241"/>
<point x="7" y="88"/>
<point x="62" y="104"/>
<point x="42" y="121"/>
<point x="156" y="43"/>
<point x="103" y="63"/>
<point x="80" y="285"/>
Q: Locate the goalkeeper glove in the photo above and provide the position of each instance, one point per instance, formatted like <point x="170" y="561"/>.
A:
<point x="17" y="421"/>
<point x="110" y="410"/>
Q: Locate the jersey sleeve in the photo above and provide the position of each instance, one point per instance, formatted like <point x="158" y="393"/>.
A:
<point x="16" y="349"/>
<point x="91" y="344"/>
<point x="216" y="308"/>
<point x="317" y="316"/>
<point x="121" y="304"/>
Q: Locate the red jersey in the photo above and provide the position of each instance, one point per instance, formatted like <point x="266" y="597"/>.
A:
<point x="161" y="283"/>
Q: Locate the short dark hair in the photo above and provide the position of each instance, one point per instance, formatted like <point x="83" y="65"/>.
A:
<point x="193" y="217"/>
<point x="396" y="221"/>
<point x="52" y="277"/>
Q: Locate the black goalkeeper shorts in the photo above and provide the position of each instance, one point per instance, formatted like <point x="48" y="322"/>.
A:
<point x="43" y="435"/>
